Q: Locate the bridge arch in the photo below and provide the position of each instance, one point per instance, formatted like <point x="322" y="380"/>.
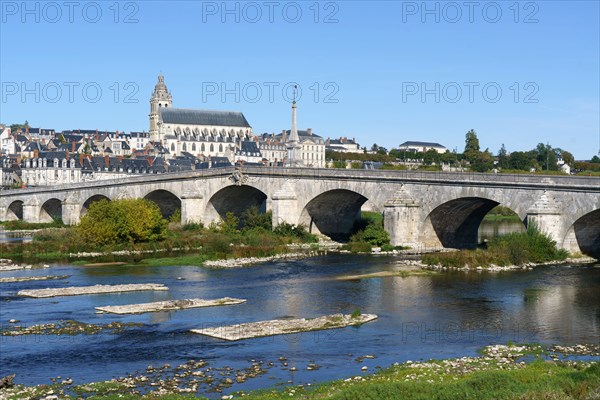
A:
<point x="584" y="235"/>
<point x="14" y="211"/>
<point x="91" y="200"/>
<point x="333" y="213"/>
<point x="51" y="210"/>
<point x="234" y="199"/>
<point x="456" y="222"/>
<point x="166" y="201"/>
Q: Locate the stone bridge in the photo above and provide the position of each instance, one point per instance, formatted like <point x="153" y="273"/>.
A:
<point x="421" y="209"/>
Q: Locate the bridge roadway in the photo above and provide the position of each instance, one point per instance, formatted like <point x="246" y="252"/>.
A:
<point x="421" y="209"/>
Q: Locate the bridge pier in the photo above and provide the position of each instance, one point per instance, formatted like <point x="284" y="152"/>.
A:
<point x="546" y="215"/>
<point x="31" y="210"/>
<point x="192" y="208"/>
<point x="284" y="206"/>
<point x="70" y="213"/>
<point x="401" y="220"/>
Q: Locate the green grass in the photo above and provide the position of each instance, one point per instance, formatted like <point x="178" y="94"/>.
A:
<point x="20" y="225"/>
<point x="538" y="380"/>
<point x="174" y="261"/>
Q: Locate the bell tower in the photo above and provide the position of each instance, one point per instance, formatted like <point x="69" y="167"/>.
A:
<point x="161" y="97"/>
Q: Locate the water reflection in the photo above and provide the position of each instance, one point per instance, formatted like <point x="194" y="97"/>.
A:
<point x="491" y="229"/>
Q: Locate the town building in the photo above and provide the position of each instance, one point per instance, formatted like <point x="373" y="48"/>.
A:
<point x="199" y="132"/>
<point x="343" y="145"/>
<point x="422" y="147"/>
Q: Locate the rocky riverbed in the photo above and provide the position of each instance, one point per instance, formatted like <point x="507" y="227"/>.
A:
<point x="169" y="305"/>
<point x="69" y="327"/>
<point x="32" y="278"/>
<point x="8" y="265"/>
<point x="96" y="289"/>
<point x="199" y="376"/>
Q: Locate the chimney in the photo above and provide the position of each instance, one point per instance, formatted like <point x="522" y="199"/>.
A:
<point x="107" y="161"/>
<point x="81" y="159"/>
<point x="73" y="147"/>
<point x="309" y="131"/>
<point x="67" y="155"/>
<point x="36" y="153"/>
<point x="283" y="136"/>
<point x="150" y="161"/>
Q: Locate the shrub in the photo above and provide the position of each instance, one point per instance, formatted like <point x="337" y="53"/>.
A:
<point x="370" y="230"/>
<point x="122" y="221"/>
<point x="295" y="231"/>
<point x="230" y="223"/>
<point x="252" y="218"/>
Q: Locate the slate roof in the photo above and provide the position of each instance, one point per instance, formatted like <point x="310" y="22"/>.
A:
<point x="421" y="144"/>
<point x="203" y="117"/>
<point x="249" y="148"/>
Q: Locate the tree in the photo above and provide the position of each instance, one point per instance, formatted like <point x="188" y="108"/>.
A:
<point x="595" y="159"/>
<point x="503" y="157"/>
<point x="483" y="162"/>
<point x="375" y="148"/>
<point x="472" y="149"/>
<point x="520" y="161"/>
<point x="567" y="157"/>
<point x="122" y="221"/>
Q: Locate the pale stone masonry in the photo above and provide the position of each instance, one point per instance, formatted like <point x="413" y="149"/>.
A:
<point x="421" y="210"/>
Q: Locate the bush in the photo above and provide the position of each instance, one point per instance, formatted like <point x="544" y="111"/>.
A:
<point x="229" y="224"/>
<point x="252" y="218"/>
<point x="511" y="249"/>
<point x="295" y="231"/>
<point x="370" y="230"/>
<point x="122" y="221"/>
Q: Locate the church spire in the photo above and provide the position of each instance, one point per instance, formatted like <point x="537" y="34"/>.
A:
<point x="293" y="142"/>
<point x="161" y="98"/>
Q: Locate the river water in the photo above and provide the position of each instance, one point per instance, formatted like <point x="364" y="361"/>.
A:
<point x="444" y="315"/>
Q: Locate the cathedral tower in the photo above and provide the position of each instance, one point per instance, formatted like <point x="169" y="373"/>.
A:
<point x="161" y="97"/>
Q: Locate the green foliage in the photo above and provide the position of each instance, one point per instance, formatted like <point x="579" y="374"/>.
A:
<point x="252" y="218"/>
<point x="192" y="226"/>
<point x="229" y="224"/>
<point x="122" y="221"/>
<point x="295" y="231"/>
<point x="500" y="212"/>
<point x="511" y="249"/>
<point x="595" y="160"/>
<point x="176" y="216"/>
<point x="355" y="314"/>
<point x="339" y="164"/>
<point x="18" y="225"/>
<point x="369" y="233"/>
<point x="472" y="149"/>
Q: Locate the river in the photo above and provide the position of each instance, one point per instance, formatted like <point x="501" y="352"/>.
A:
<point x="449" y="314"/>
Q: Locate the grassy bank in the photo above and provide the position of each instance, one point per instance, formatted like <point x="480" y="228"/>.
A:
<point x="20" y="225"/>
<point x="518" y="249"/>
<point x="498" y="373"/>
<point x="234" y="237"/>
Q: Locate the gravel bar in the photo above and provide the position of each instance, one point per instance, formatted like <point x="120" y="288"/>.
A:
<point x="169" y="305"/>
<point x="32" y="278"/>
<point x="284" y="326"/>
<point x="96" y="289"/>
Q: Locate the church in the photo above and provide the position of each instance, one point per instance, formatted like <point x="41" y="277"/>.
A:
<point x="197" y="132"/>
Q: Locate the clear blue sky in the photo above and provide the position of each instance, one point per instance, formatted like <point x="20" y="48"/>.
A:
<point x="373" y="58"/>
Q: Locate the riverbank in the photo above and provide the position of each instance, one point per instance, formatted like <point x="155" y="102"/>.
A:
<point x="501" y="371"/>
